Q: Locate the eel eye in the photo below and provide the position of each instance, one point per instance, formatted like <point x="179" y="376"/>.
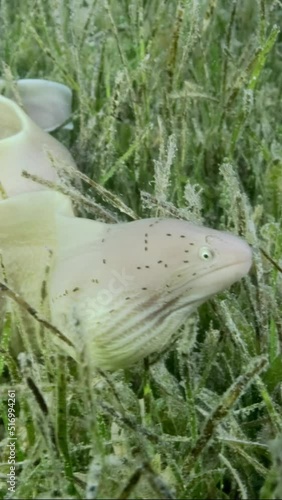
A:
<point x="206" y="253"/>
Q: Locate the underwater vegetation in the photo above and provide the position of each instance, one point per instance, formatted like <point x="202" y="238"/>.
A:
<point x="176" y="113"/>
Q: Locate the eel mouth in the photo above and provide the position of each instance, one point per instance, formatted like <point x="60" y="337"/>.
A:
<point x="224" y="279"/>
<point x="219" y="278"/>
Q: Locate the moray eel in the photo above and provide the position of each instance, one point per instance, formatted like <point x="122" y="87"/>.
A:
<point x="123" y="290"/>
<point x="117" y="291"/>
<point x="46" y="102"/>
<point x="25" y="146"/>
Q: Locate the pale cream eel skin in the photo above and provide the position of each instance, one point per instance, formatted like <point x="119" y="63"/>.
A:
<point x="117" y="291"/>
